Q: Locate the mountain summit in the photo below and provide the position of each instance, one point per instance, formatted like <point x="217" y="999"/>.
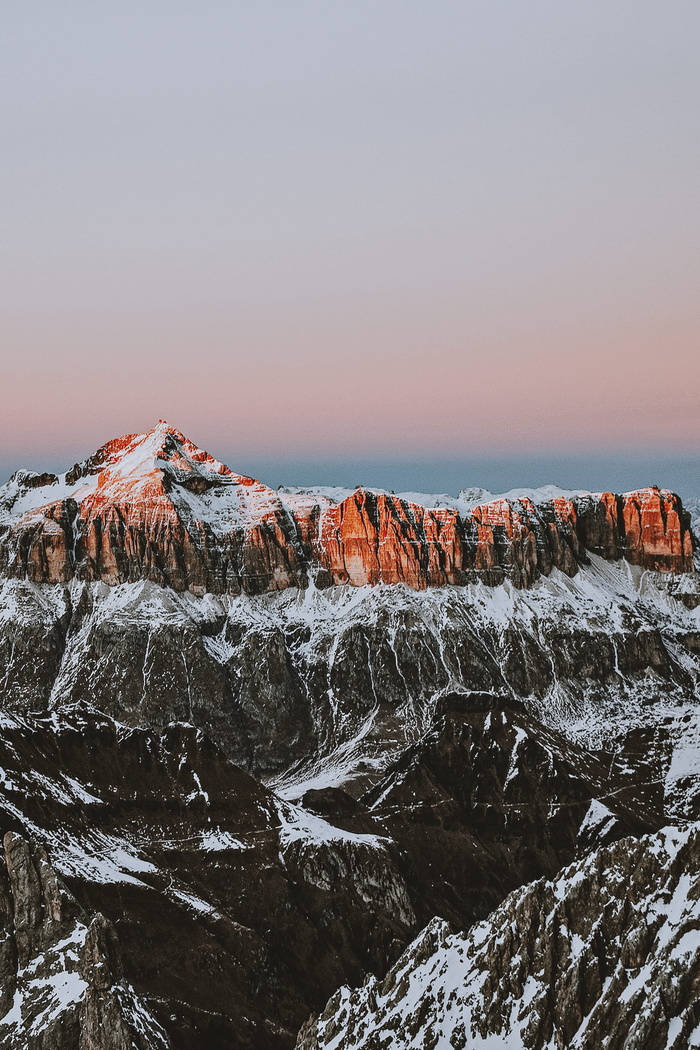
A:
<point x="138" y="457"/>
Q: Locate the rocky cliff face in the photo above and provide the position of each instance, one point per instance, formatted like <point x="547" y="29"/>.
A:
<point x="333" y="683"/>
<point x="491" y="799"/>
<point x="237" y="912"/>
<point x="155" y="507"/>
<point x="150" y="507"/>
<point x="605" y="955"/>
<point x="62" y="984"/>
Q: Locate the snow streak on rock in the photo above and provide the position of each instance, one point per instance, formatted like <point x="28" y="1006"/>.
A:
<point x="319" y="686"/>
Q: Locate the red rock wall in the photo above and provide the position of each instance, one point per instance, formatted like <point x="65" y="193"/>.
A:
<point x="655" y="531"/>
<point x="368" y="538"/>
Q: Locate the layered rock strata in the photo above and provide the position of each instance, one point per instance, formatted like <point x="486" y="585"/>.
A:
<point x="154" y="506"/>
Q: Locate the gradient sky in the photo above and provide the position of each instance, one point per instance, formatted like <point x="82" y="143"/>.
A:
<point x="371" y="230"/>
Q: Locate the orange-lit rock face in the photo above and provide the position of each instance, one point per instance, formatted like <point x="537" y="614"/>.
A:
<point x="654" y="530"/>
<point x="371" y="538"/>
<point x="154" y="506"/>
<point x="647" y="528"/>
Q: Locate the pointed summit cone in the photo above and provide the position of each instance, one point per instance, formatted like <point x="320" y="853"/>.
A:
<point x="179" y="516"/>
<point x="156" y="506"/>
<point x="136" y="459"/>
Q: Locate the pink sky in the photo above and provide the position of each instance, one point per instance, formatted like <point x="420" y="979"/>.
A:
<point x="612" y="387"/>
<point x="392" y="229"/>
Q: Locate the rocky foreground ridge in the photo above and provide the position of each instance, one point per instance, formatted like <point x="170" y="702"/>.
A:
<point x="238" y="913"/>
<point x="155" y="507"/>
<point x="62" y="984"/>
<point x="606" y="955"/>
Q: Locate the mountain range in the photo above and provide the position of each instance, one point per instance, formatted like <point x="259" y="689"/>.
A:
<point x="259" y="744"/>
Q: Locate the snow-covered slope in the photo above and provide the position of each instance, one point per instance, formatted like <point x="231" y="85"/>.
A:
<point x="316" y="686"/>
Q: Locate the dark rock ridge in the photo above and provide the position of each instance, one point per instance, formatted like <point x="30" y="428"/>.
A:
<point x="62" y="984"/>
<point x="491" y="799"/>
<point x="237" y="913"/>
<point x="606" y="955"/>
<point x="338" y="682"/>
<point x="155" y="507"/>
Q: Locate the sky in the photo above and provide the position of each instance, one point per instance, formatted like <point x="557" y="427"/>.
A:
<point x="326" y="237"/>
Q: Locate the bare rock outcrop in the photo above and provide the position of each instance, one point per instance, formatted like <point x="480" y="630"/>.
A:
<point x="607" y="954"/>
<point x="491" y="799"/>
<point x="62" y="984"/>
<point x="237" y="913"/>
